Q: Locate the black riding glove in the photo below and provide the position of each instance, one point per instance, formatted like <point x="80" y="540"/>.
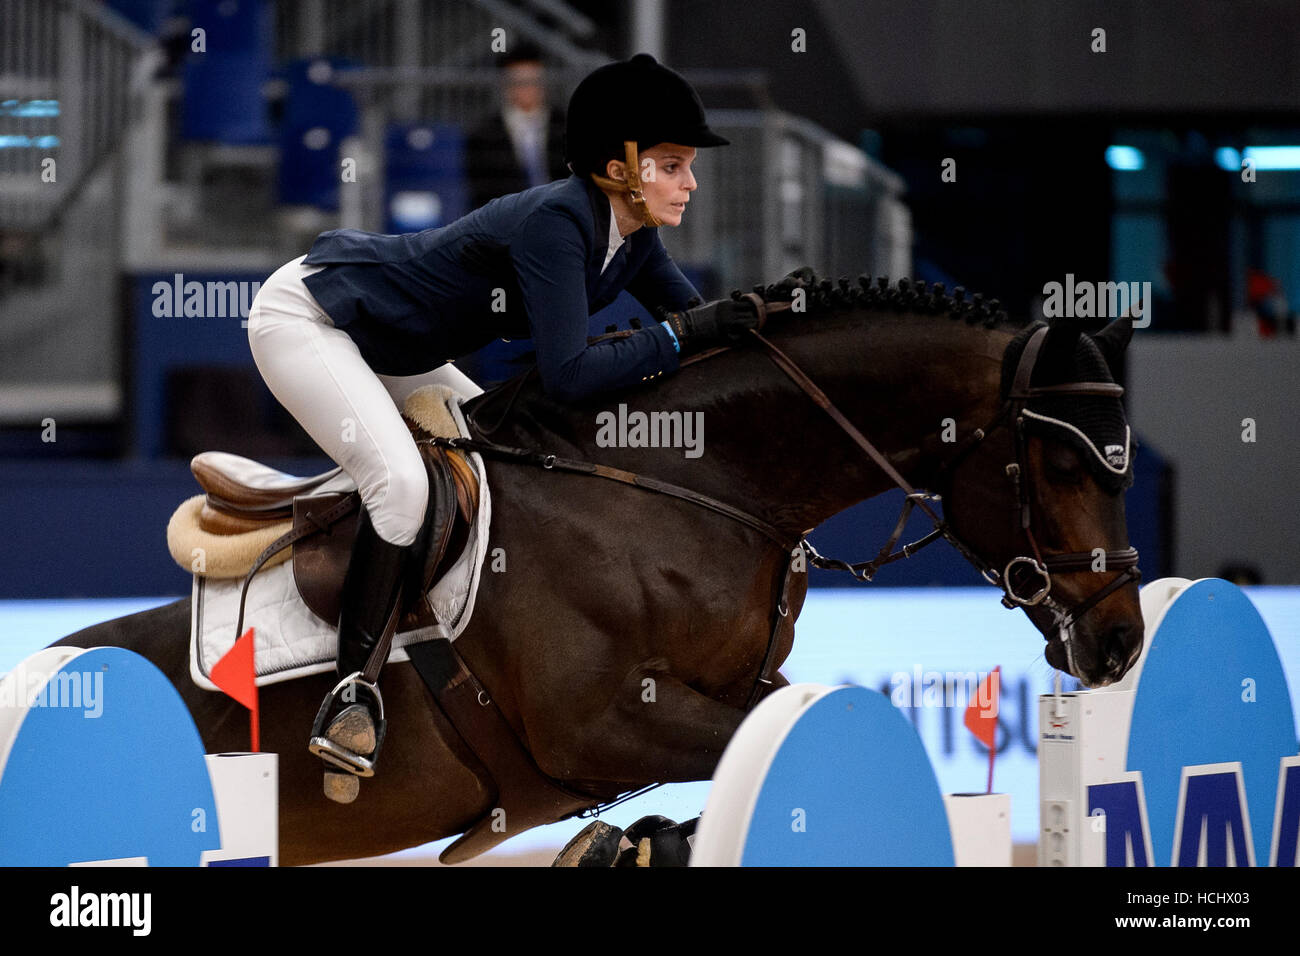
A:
<point x="715" y="322"/>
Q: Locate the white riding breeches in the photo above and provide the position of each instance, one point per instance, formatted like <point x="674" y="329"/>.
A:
<point x="317" y="373"/>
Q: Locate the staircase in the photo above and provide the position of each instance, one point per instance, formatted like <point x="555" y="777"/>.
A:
<point x="70" y="75"/>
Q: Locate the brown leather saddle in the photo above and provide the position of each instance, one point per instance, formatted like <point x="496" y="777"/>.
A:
<point x="243" y="495"/>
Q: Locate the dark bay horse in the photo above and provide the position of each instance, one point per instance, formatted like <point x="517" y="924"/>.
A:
<point x="625" y="633"/>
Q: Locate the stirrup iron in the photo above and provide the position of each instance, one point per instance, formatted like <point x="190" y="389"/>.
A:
<point x="335" y="754"/>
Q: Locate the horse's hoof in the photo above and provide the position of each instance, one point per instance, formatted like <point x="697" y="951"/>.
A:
<point x="657" y="841"/>
<point x="353" y="730"/>
<point x="596" y="845"/>
<point x="342" y="787"/>
<point x="638" y="854"/>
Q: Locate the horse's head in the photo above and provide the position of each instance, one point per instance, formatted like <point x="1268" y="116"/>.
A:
<point x="1041" y="498"/>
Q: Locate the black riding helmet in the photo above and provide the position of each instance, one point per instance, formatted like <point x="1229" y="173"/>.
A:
<point x="638" y="101"/>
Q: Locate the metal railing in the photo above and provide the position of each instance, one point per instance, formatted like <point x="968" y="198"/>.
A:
<point x="411" y="34"/>
<point x="69" y="70"/>
<point x="70" y="75"/>
<point x="785" y="193"/>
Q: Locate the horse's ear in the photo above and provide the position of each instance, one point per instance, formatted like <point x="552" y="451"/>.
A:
<point x="1058" y="346"/>
<point x="1114" y="339"/>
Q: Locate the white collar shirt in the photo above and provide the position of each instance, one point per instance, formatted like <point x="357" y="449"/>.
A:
<point x="615" y="240"/>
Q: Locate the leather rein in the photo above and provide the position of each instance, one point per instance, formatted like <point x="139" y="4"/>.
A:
<point x="1007" y="579"/>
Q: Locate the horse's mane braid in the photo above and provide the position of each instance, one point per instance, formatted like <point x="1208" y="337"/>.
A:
<point x="905" y="295"/>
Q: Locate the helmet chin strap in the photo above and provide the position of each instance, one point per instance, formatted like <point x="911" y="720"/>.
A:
<point x="631" y="186"/>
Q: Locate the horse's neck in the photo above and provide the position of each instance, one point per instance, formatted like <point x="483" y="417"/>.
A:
<point x="763" y="445"/>
<point x="770" y="449"/>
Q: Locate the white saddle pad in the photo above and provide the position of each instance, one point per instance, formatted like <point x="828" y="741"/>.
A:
<point x="290" y="641"/>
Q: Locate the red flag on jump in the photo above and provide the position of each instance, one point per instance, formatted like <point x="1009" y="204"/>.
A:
<point x="982" y="715"/>
<point x="235" y="675"/>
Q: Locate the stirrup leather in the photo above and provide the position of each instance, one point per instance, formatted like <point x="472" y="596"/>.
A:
<point x="336" y="755"/>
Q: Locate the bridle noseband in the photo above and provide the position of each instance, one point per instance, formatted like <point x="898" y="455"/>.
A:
<point x="1011" y="579"/>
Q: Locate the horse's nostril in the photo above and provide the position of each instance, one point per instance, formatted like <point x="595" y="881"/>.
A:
<point x="1116" y="647"/>
<point x="1113" y="648"/>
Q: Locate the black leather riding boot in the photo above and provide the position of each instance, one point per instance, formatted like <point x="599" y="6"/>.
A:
<point x="372" y="589"/>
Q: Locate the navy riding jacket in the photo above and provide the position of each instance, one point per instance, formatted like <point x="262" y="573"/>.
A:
<point x="527" y="264"/>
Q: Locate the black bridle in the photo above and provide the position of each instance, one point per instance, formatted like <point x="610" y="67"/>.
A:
<point x="1021" y="569"/>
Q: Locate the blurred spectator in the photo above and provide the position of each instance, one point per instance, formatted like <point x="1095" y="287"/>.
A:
<point x="522" y="144"/>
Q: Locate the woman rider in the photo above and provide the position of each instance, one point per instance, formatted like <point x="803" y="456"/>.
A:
<point x="345" y="333"/>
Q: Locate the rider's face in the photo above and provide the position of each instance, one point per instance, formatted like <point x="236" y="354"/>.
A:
<point x="667" y="180"/>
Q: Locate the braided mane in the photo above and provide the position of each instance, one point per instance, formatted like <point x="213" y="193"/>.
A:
<point x="905" y="295"/>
